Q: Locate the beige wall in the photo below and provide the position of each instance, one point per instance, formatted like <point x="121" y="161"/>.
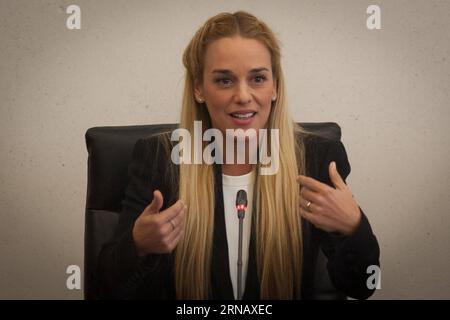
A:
<point x="387" y="88"/>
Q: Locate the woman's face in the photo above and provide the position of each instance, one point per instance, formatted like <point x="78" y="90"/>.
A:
<point x="238" y="84"/>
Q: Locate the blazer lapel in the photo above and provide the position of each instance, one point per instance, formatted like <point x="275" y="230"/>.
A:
<point x="222" y="288"/>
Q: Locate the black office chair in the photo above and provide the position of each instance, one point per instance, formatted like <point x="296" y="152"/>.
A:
<point x="109" y="153"/>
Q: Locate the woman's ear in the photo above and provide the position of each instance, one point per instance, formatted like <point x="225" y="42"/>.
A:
<point x="274" y="95"/>
<point x="198" y="91"/>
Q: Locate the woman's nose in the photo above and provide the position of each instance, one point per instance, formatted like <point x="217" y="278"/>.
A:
<point x="243" y="94"/>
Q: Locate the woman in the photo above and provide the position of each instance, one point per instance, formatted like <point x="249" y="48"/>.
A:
<point x="177" y="231"/>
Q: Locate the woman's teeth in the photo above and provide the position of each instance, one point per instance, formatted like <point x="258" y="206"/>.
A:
<point x="243" y="115"/>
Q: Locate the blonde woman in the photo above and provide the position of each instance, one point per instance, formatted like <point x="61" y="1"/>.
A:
<point x="177" y="234"/>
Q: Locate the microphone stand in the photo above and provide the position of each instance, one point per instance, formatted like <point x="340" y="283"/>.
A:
<point x="241" y="206"/>
<point x="241" y="214"/>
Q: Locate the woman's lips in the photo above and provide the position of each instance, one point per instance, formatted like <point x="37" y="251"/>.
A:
<point x="242" y="121"/>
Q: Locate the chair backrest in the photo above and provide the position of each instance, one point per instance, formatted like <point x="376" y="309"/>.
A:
<point x="109" y="154"/>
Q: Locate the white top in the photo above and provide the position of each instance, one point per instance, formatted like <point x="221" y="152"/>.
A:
<point x="231" y="185"/>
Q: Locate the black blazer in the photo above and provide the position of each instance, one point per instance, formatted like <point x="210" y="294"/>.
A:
<point x="123" y="275"/>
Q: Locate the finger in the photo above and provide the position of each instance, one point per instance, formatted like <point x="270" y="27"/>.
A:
<point x="175" y="233"/>
<point x="311" y="217"/>
<point x="309" y="195"/>
<point x="156" y="203"/>
<point x="172" y="212"/>
<point x="177" y="238"/>
<point x="173" y="225"/>
<point x="172" y="240"/>
<point x="317" y="221"/>
<point x="335" y="177"/>
<point x="179" y="219"/>
<point x="312" y="183"/>
<point x="304" y="205"/>
<point x="167" y="228"/>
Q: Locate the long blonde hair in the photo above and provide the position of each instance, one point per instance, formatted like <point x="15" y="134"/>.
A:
<point x="278" y="224"/>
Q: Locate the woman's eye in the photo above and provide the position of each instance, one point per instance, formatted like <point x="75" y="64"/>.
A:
<point x="260" y="79"/>
<point x="224" y="81"/>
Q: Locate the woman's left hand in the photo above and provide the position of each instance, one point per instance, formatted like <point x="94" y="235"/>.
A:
<point x="332" y="210"/>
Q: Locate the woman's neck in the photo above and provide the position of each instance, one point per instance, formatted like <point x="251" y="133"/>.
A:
<point x="233" y="168"/>
<point x="236" y="169"/>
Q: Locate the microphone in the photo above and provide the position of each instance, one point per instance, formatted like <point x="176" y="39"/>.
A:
<point x="241" y="203"/>
<point x="241" y="206"/>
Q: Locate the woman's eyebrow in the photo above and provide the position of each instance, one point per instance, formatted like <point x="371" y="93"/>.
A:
<point x="226" y="71"/>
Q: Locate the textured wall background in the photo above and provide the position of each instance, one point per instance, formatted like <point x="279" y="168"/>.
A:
<point x="387" y="88"/>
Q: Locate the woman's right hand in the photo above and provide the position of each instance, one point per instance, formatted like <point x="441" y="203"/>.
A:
<point x="159" y="232"/>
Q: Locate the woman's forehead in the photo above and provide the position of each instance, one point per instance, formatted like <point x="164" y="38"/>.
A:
<point x="237" y="54"/>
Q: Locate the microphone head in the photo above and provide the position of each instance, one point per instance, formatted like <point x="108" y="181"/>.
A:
<point x="241" y="200"/>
